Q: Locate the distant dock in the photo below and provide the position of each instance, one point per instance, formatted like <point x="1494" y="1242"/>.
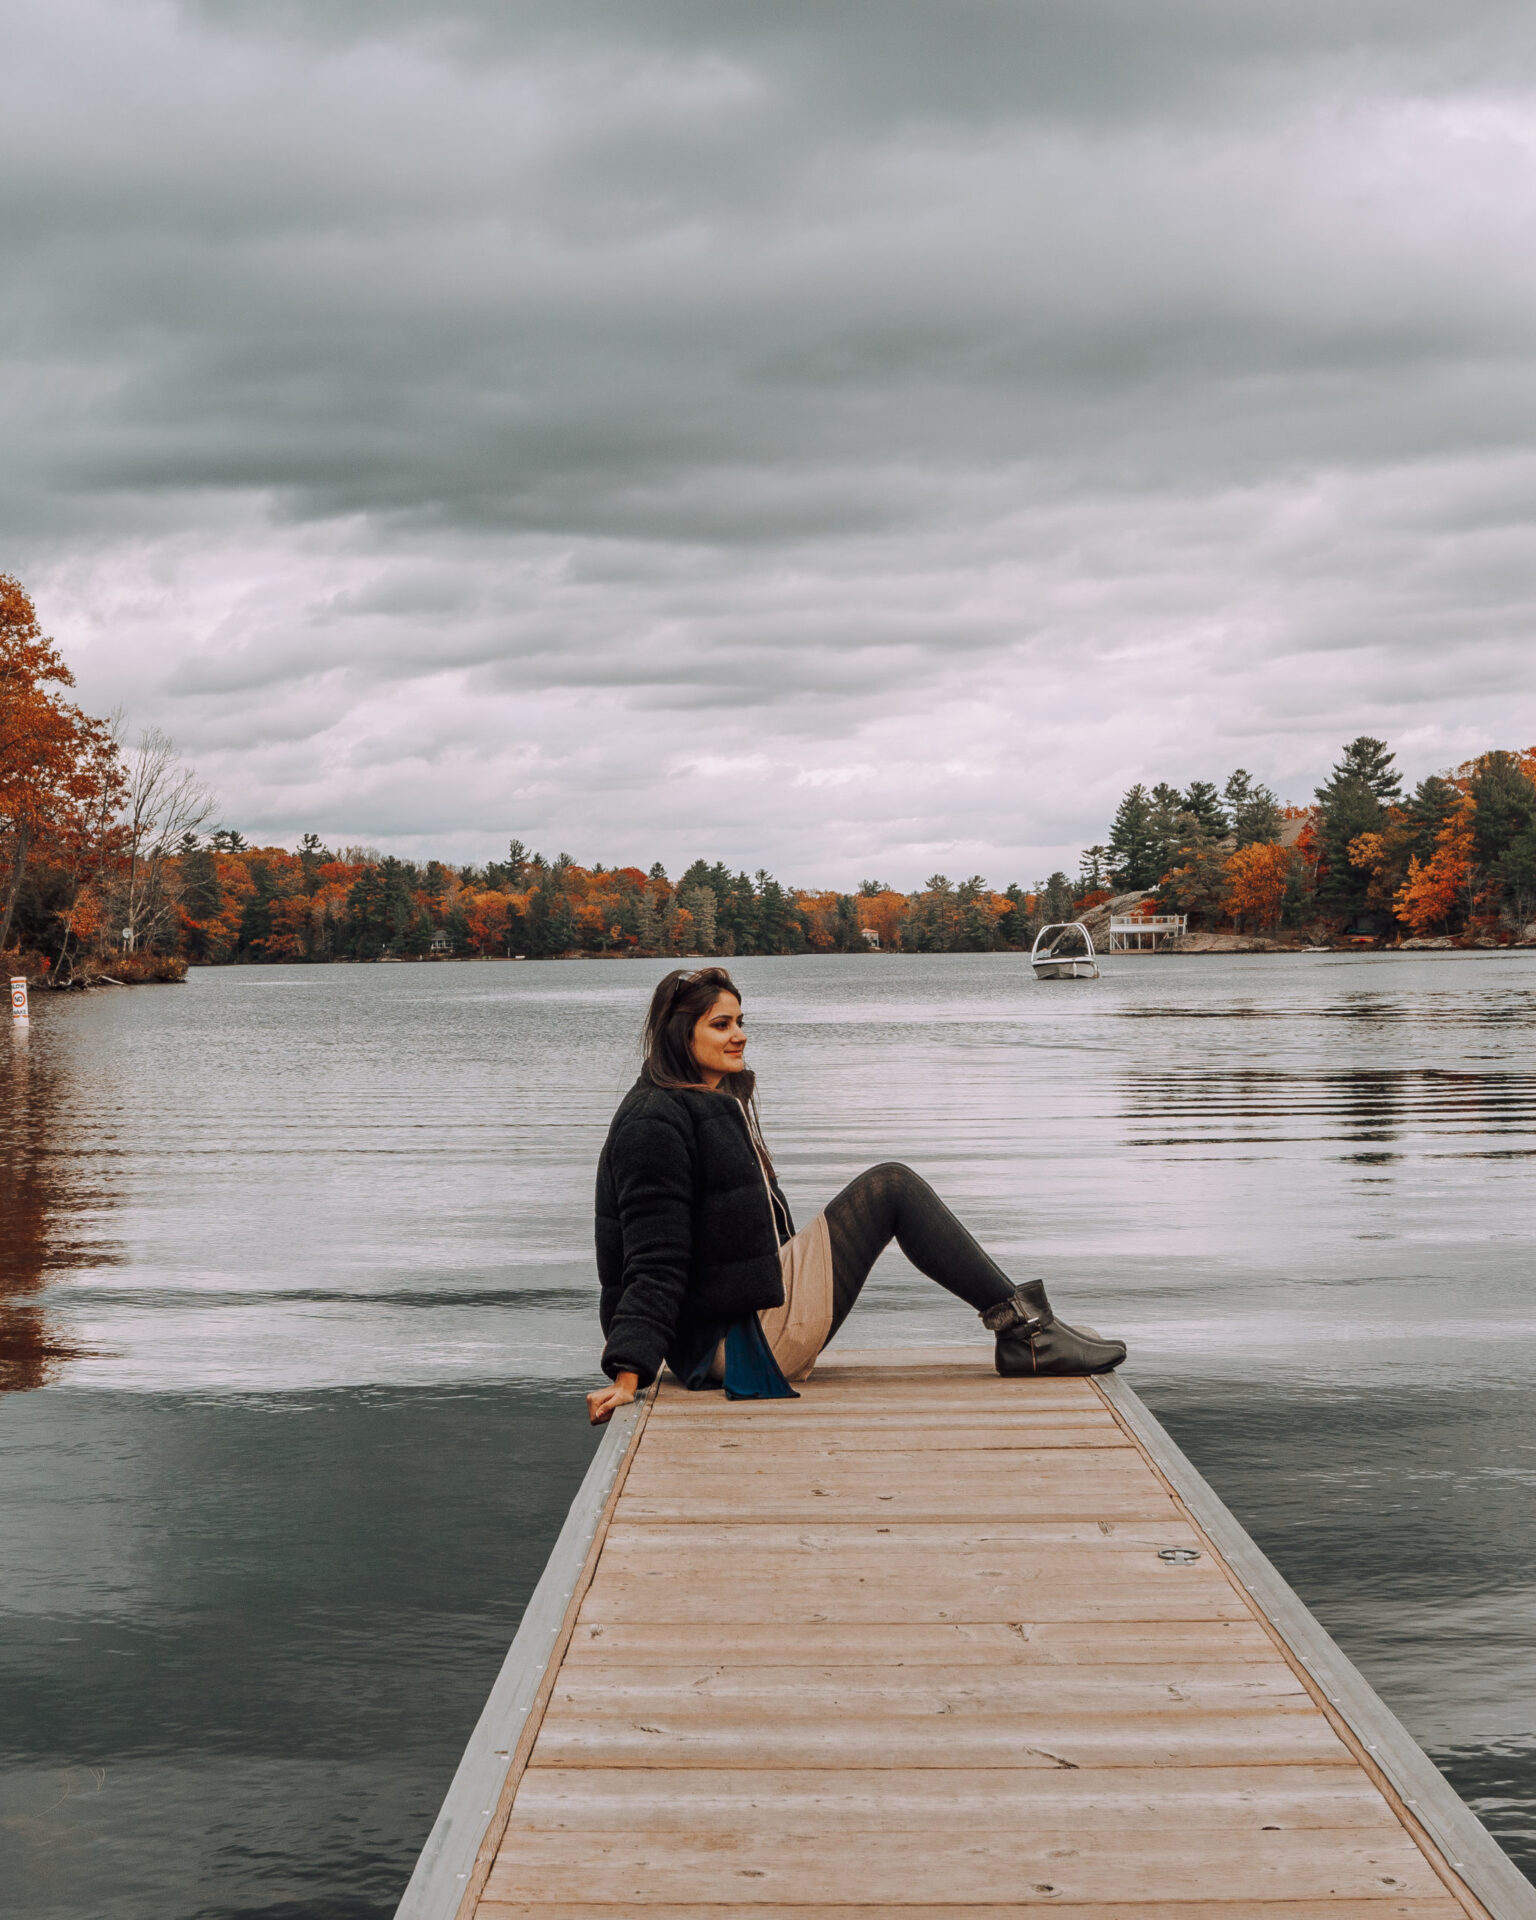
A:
<point x="932" y="1644"/>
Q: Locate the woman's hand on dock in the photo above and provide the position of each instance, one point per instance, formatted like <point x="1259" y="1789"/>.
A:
<point x="602" y="1405"/>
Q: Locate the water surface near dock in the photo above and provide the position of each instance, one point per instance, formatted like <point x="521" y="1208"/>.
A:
<point x="318" y="1239"/>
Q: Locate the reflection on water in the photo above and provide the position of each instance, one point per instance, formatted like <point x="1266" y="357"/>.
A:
<point x="1358" y="1104"/>
<point x="1506" y="1007"/>
<point x="44" y="1206"/>
<point x="319" y="1240"/>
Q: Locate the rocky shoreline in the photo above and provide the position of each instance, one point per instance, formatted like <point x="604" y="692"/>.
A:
<point x="1258" y="943"/>
<point x="128" y="970"/>
<point x="1310" y="939"/>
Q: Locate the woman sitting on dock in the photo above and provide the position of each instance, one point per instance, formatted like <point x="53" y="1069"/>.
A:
<point x="699" y="1261"/>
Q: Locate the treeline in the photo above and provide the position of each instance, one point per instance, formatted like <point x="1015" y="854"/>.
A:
<point x="242" y="903"/>
<point x="1456" y="856"/>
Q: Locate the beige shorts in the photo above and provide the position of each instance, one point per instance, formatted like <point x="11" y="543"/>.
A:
<point x="797" y="1331"/>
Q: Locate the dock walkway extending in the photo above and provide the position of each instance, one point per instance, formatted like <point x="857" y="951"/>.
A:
<point x="937" y="1644"/>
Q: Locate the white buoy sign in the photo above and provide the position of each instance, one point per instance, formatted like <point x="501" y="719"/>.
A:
<point x="18" y="997"/>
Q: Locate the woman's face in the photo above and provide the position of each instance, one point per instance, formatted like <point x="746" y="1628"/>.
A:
<point x="720" y="1040"/>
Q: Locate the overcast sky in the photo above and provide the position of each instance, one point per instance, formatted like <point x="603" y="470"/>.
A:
<point x="847" y="439"/>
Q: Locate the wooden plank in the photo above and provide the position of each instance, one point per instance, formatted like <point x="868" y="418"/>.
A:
<point x="1135" y="1563"/>
<point x="908" y="1462"/>
<point x="791" y="1802"/>
<point x="738" y="1593"/>
<point x="1384" y="1907"/>
<point x="950" y="1356"/>
<point x="1095" y="1499"/>
<point x="1143" y="1688"/>
<point x="893" y="1870"/>
<point x="1193" y="1738"/>
<point x="887" y="1410"/>
<point x="973" y="1537"/>
<point x="920" y="1383"/>
<point x="751" y="1416"/>
<point x="988" y="1481"/>
<point x="998" y="1399"/>
<point x="719" y="1444"/>
<point x="985" y="1643"/>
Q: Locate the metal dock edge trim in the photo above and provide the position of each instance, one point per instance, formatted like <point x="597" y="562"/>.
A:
<point x="443" y="1870"/>
<point x="1471" y="1851"/>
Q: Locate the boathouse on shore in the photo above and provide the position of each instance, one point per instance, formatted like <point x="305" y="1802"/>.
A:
<point x="1144" y="932"/>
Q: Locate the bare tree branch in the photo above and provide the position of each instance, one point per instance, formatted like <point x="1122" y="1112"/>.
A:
<point x="165" y="800"/>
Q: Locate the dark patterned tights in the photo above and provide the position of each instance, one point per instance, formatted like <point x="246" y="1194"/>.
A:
<point x="891" y="1202"/>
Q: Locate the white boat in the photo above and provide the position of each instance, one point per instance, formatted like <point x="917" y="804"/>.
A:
<point x="1064" y="951"/>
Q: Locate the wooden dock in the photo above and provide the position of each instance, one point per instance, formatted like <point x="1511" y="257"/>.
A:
<point x="934" y="1644"/>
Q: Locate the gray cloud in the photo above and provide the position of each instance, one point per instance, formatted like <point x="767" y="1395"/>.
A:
<point x="836" y="437"/>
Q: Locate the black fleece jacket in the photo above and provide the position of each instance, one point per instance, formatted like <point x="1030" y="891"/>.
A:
<point x="686" y="1238"/>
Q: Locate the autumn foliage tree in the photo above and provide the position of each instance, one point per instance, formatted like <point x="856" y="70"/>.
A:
<point x="60" y="782"/>
<point x="1258" y="878"/>
<point x="1437" y="890"/>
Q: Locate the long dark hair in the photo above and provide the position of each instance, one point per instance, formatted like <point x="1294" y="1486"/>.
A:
<point x="679" y="1003"/>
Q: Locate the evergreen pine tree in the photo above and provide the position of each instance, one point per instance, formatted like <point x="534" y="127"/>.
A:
<point x="417" y="937"/>
<point x="1505" y="803"/>
<point x="737" y="914"/>
<point x="935" y="916"/>
<point x="776" y="933"/>
<point x="563" y="933"/>
<point x="1202" y="803"/>
<point x="1133" y="843"/>
<point x="1166" y="826"/>
<point x="651" y="917"/>
<point x="379" y="909"/>
<point x="312" y="856"/>
<point x="1515" y="871"/>
<point x="536" y="922"/>
<point x="699" y="900"/>
<point x="201" y="894"/>
<point x="973" y="931"/>
<point x="1353" y="800"/>
<point x="1367" y="759"/>
<point x="1253" y="809"/>
<point x="400" y="879"/>
<point x="1090" y="870"/>
<point x="1431" y="804"/>
<point x="1056" y="899"/>
<point x="256" y="916"/>
<point x="1013" y="926"/>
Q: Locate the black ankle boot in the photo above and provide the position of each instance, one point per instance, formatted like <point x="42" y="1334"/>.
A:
<point x="1030" y="1339"/>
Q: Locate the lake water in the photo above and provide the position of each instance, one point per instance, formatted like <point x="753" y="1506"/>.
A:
<point x="297" y="1310"/>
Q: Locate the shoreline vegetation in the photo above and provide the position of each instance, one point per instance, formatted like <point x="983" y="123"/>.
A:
<point x="111" y="873"/>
